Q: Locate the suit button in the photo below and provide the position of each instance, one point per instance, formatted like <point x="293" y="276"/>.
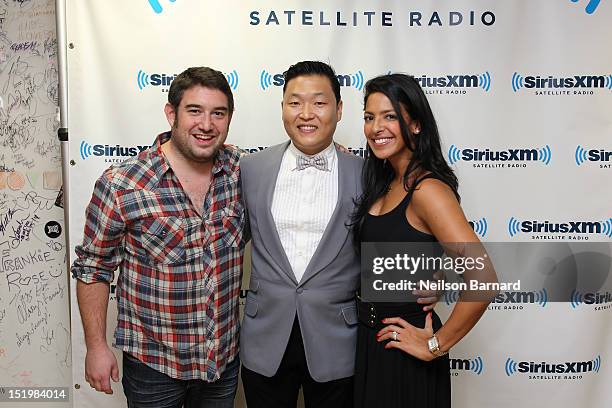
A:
<point x="299" y="290"/>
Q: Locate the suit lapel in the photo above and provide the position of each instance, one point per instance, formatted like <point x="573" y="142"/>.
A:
<point x="336" y="231"/>
<point x="264" y="213"/>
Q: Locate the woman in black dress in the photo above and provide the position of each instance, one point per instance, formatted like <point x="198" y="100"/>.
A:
<point x="410" y="195"/>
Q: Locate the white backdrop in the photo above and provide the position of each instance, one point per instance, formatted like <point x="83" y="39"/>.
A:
<point x="503" y="77"/>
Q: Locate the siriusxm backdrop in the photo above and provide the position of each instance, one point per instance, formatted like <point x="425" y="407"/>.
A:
<point x="522" y="91"/>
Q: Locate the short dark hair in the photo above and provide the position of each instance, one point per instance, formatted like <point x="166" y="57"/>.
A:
<point x="203" y="76"/>
<point x="305" y="68"/>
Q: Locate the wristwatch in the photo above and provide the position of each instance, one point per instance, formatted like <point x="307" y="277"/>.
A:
<point x="434" y="347"/>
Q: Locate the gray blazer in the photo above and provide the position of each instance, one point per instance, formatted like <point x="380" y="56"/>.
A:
<point x="324" y="300"/>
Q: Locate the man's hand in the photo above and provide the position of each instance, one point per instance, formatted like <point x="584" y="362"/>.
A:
<point x="100" y="366"/>
<point x="429" y="298"/>
<point x="341" y="148"/>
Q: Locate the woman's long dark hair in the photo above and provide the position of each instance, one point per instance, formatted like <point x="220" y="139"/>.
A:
<point x="405" y="94"/>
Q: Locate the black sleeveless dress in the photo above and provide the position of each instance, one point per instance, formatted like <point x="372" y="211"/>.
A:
<point x="390" y="377"/>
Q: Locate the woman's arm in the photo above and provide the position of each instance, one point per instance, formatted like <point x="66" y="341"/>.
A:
<point x="435" y="210"/>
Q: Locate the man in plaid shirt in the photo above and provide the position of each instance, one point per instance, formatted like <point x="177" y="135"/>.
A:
<point x="172" y="221"/>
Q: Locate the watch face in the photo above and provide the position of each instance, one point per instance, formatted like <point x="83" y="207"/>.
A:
<point x="432" y="343"/>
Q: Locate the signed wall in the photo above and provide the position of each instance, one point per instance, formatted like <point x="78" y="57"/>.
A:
<point x="34" y="324"/>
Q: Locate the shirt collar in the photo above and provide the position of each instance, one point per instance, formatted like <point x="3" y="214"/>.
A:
<point x="328" y="152"/>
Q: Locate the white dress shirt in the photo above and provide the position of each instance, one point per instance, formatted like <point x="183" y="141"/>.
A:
<point x="302" y="206"/>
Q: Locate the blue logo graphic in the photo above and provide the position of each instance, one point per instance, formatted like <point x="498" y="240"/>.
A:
<point x="582" y="155"/>
<point x="454" y="154"/>
<point x="142" y="79"/>
<point x="85" y="150"/>
<point x="575" y="299"/>
<point x="483" y="81"/>
<point x="597" y="364"/>
<point x="267" y="79"/>
<point x="543" y="154"/>
<point x="551" y="82"/>
<point x="542" y="297"/>
<point x="164" y="80"/>
<point x="98" y="150"/>
<point x="607" y="227"/>
<point x="476" y="365"/>
<point x="451" y="296"/>
<point x="539" y="297"/>
<point x="516" y="226"/>
<point x="512" y="367"/>
<point x="156" y="6"/>
<point x="232" y="79"/>
<point x="480" y="226"/>
<point x="591" y="298"/>
<point x="517" y="82"/>
<point x="357" y="79"/>
<point x="591" y="5"/>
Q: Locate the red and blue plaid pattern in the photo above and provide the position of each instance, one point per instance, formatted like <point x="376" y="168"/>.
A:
<point x="179" y="273"/>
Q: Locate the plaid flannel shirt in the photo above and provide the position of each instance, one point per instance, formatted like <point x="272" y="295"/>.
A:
<point x="179" y="273"/>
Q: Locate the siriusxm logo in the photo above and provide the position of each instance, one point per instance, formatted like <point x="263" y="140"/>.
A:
<point x="569" y="367"/>
<point x="582" y="155"/>
<point x="516" y="226"/>
<point x="591" y="5"/>
<point x="591" y="298"/>
<point x="480" y="226"/>
<point x="561" y="85"/>
<point x="539" y="297"/>
<point x="475" y="365"/>
<point x="156" y="6"/>
<point x="164" y="80"/>
<point x="266" y="80"/>
<point x="99" y="150"/>
<point x="505" y="298"/>
<point x="143" y="80"/>
<point x="542" y="154"/>
<point x="455" y="81"/>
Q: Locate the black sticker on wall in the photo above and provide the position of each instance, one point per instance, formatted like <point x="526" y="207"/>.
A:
<point x="53" y="229"/>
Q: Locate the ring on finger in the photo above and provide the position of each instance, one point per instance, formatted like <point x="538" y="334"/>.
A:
<point x="394" y="335"/>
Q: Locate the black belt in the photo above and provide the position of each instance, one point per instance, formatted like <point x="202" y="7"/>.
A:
<point x="367" y="314"/>
<point x="372" y="314"/>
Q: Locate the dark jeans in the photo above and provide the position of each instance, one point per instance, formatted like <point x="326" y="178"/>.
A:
<point x="146" y="387"/>
<point x="281" y="390"/>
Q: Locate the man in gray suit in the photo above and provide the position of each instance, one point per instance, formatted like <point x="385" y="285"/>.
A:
<point x="300" y="322"/>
